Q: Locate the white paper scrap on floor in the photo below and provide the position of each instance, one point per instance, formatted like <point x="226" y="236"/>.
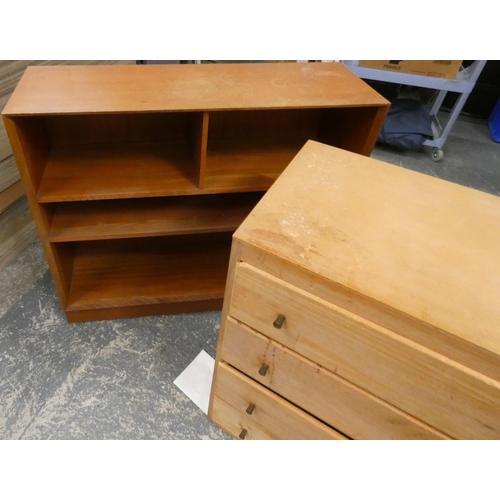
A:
<point x="196" y="380"/>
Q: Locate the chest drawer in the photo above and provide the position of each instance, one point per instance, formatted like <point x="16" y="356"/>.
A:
<point x="270" y="417"/>
<point x="448" y="396"/>
<point x="351" y="410"/>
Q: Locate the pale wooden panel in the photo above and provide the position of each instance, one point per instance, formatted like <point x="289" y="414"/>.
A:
<point x="448" y="396"/>
<point x="5" y="148"/>
<point x="9" y="174"/>
<point x="189" y="87"/>
<point x="344" y="406"/>
<point x="14" y="218"/>
<point x="272" y="418"/>
<point x="17" y="231"/>
<point x="10" y="195"/>
<point x="409" y="242"/>
<point x="234" y="258"/>
<point x="11" y="71"/>
<point x="10" y="74"/>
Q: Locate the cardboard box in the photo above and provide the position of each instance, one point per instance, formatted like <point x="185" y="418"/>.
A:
<point x="437" y="69"/>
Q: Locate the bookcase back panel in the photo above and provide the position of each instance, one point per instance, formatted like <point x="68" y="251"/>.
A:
<point x="227" y="125"/>
<point x="35" y="143"/>
<point x="126" y="127"/>
<point x="352" y="129"/>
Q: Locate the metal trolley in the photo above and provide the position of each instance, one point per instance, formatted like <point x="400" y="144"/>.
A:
<point x="462" y="84"/>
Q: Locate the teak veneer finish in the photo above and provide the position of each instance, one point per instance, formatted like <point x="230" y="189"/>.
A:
<point x="118" y="162"/>
<point x="388" y="281"/>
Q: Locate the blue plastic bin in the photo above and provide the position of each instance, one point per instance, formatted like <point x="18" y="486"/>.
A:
<point x="494" y="122"/>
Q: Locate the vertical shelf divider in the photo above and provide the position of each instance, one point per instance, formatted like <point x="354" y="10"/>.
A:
<point x="201" y="148"/>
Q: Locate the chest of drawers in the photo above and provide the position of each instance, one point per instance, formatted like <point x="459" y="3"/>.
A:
<point x="361" y="303"/>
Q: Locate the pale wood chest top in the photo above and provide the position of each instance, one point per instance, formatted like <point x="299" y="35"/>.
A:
<point x="127" y="88"/>
<point x="420" y="245"/>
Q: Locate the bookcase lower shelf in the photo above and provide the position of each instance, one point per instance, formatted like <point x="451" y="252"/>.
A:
<point x="146" y="274"/>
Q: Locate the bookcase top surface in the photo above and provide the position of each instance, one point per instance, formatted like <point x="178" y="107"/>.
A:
<point x="421" y="245"/>
<point x="194" y="87"/>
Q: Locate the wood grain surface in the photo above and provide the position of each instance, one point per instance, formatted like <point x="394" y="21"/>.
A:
<point x="107" y="171"/>
<point x="17" y="230"/>
<point x="9" y="173"/>
<point x="460" y="402"/>
<point x="10" y="195"/>
<point x="421" y="246"/>
<point x="128" y="88"/>
<point x="134" y="272"/>
<point x="112" y="219"/>
<point x="89" y="140"/>
<point x="334" y="400"/>
<point x="273" y="417"/>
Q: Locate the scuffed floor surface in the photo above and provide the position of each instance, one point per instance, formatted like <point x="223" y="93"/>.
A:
<point x="98" y="380"/>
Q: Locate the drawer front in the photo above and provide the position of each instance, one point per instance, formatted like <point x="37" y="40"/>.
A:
<point x="270" y="418"/>
<point x="458" y="401"/>
<point x="351" y="410"/>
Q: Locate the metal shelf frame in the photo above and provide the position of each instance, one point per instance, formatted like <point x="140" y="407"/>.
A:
<point x="462" y="84"/>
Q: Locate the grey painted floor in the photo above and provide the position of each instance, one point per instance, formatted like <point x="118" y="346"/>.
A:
<point x="114" y="379"/>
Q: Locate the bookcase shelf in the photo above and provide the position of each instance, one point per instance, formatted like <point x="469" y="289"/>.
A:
<point x="247" y="164"/>
<point x="113" y="171"/>
<point x="112" y="274"/>
<point x="137" y="218"/>
<point x="138" y="175"/>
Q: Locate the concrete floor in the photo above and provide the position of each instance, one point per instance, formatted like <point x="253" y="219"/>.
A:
<point x="114" y="379"/>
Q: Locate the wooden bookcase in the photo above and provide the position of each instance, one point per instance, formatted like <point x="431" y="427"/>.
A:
<point x="137" y="176"/>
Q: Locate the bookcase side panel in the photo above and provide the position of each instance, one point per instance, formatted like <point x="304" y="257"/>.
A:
<point x="198" y="139"/>
<point x="354" y="129"/>
<point x="29" y="143"/>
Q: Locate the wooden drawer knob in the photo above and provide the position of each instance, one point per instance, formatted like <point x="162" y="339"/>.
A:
<point x="243" y="434"/>
<point x="251" y="408"/>
<point x="278" y="322"/>
<point x="263" y="369"/>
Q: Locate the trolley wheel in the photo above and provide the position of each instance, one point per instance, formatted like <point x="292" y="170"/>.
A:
<point x="437" y="154"/>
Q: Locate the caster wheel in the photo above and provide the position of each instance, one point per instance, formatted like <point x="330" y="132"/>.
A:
<point x="437" y="154"/>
